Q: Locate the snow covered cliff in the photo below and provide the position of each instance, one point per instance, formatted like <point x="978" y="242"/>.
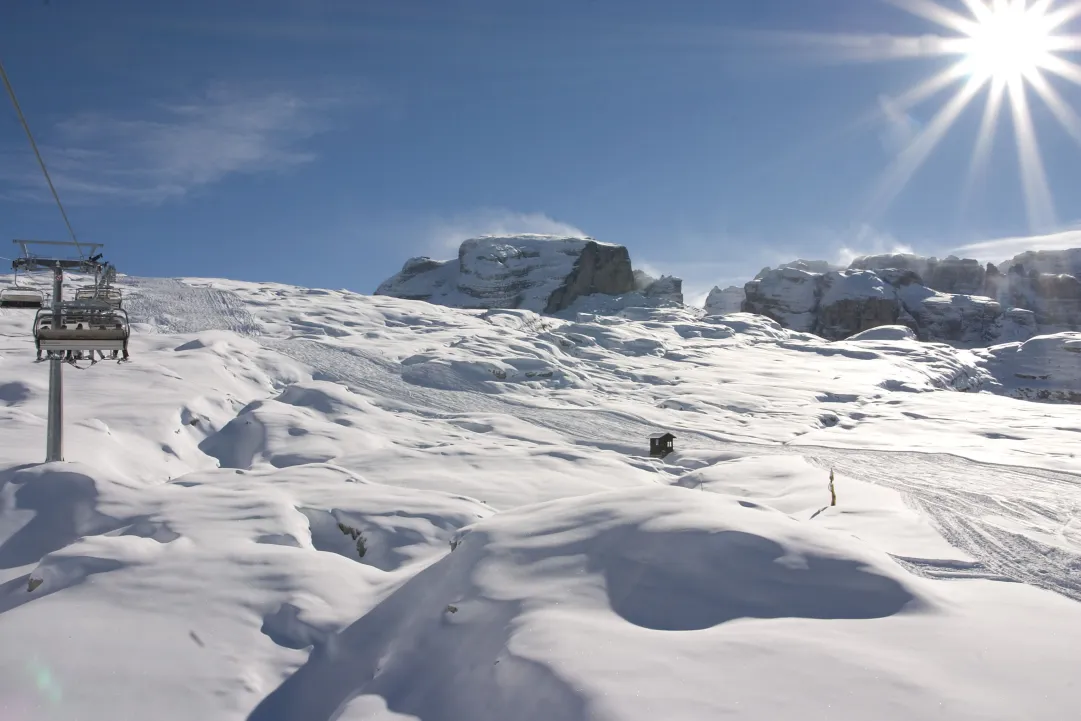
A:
<point x="955" y="300"/>
<point x="541" y="273"/>
<point x="839" y="304"/>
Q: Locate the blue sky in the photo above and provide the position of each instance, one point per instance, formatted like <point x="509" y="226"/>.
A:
<point x="323" y="142"/>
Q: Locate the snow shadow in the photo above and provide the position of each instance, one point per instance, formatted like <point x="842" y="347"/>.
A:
<point x="426" y="659"/>
<point x="63" y="504"/>
<point x="661" y="585"/>
<point x="14" y="392"/>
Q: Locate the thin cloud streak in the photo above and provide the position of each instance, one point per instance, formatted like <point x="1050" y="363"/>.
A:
<point x="1006" y="248"/>
<point x="100" y="159"/>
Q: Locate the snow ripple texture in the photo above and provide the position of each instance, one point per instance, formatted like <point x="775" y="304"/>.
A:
<point x="1020" y="524"/>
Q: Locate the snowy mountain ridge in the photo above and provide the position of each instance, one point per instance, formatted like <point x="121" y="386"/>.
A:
<point x="313" y="504"/>
<point x="542" y="273"/>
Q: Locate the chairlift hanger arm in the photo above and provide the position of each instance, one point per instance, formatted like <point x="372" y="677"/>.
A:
<point x="91" y="247"/>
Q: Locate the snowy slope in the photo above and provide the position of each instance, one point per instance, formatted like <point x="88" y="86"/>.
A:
<point x="257" y="516"/>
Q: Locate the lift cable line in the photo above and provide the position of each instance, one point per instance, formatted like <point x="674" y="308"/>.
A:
<point x="37" y="154"/>
<point x="66" y="331"/>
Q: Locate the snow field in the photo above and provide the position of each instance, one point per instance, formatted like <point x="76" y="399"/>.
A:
<point x="199" y="556"/>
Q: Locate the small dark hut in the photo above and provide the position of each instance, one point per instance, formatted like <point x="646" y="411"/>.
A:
<point x="661" y="444"/>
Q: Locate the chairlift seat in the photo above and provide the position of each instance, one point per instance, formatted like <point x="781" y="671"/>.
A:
<point x="82" y="327"/>
<point x="21" y="298"/>
<point x="111" y="297"/>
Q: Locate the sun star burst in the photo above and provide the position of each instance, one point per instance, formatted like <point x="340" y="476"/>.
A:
<point x="1008" y="47"/>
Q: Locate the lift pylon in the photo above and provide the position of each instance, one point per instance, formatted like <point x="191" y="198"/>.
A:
<point x="69" y="329"/>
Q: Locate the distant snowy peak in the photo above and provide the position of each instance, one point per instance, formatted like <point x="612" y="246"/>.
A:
<point x="722" y="301"/>
<point x="1056" y="262"/>
<point x="840" y="304"/>
<point x="1045" y="282"/>
<point x="542" y="273"/>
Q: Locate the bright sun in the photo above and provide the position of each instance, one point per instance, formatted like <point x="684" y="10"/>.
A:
<point x="1008" y="41"/>
<point x="1016" y="50"/>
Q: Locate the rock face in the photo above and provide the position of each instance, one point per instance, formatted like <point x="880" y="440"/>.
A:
<point x="960" y="276"/>
<point x="840" y="304"/>
<point x="1045" y="282"/>
<point x="724" y="301"/>
<point x="1054" y="297"/>
<point x="667" y="288"/>
<point x="542" y="273"/>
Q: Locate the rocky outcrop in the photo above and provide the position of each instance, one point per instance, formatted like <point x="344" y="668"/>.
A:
<point x="833" y="305"/>
<point x="840" y="304"/>
<point x="667" y="288"/>
<point x="811" y="266"/>
<point x="1045" y="282"/>
<point x="960" y="276"/>
<point x="1055" y="298"/>
<point x="853" y="301"/>
<point x="541" y="273"/>
<point x="789" y="296"/>
<point x="724" y="301"/>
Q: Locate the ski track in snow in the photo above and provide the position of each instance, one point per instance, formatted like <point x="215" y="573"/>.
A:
<point x="969" y="502"/>
<point x="149" y="300"/>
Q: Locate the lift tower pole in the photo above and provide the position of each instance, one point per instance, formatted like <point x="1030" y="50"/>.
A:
<point x="98" y="326"/>
<point x="54" y="448"/>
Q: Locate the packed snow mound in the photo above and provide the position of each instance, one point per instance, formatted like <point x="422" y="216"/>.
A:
<point x="1045" y="368"/>
<point x="552" y="612"/>
<point x="541" y="273"/>
<point x="885" y="332"/>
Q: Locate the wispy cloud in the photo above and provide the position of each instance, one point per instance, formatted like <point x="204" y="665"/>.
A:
<point x="444" y="235"/>
<point x="901" y="128"/>
<point x="1006" y="248"/>
<point x="177" y="148"/>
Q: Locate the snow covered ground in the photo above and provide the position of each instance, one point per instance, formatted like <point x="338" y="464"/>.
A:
<point x="300" y="504"/>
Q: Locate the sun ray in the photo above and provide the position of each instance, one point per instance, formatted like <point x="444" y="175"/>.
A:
<point x="1040" y="7"/>
<point x="1061" y="16"/>
<point x="857" y="47"/>
<point x="912" y="158"/>
<point x="984" y="139"/>
<point x="1038" y="202"/>
<point x="1064" y="114"/>
<point x="1064" y="69"/>
<point x="1064" y="43"/>
<point x="979" y="9"/>
<point x="930" y="10"/>
<point x="929" y="87"/>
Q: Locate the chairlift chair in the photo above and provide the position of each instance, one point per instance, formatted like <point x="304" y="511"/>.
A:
<point x="83" y="327"/>
<point x="17" y="297"/>
<point x="111" y="297"/>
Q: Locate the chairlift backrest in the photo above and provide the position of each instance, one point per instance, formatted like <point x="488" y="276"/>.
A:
<point x="16" y="297"/>
<point x="82" y="327"/>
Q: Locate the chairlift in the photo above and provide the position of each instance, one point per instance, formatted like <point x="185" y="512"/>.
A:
<point x="82" y="327"/>
<point x="111" y="297"/>
<point x="18" y="297"/>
